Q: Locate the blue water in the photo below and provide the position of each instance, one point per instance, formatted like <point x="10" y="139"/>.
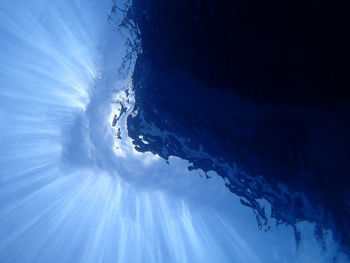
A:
<point x="73" y="188"/>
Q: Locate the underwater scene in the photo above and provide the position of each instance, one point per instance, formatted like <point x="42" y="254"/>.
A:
<point x="174" y="131"/>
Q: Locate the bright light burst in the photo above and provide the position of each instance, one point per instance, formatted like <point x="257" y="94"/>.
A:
<point x="68" y="193"/>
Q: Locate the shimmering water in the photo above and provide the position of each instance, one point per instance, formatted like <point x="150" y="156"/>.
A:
<point x="72" y="186"/>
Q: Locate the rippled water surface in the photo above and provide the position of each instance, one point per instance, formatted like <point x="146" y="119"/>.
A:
<point x="72" y="186"/>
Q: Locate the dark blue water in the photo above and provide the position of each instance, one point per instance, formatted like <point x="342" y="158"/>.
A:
<point x="255" y="91"/>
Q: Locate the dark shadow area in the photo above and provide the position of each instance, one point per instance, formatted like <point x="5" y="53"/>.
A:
<point x="257" y="91"/>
